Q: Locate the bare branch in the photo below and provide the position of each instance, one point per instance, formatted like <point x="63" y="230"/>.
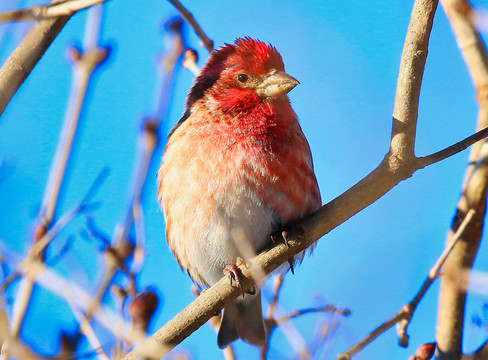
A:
<point x="86" y="328"/>
<point x="277" y="285"/>
<point x="403" y="317"/>
<point x="52" y="10"/>
<point x="326" y="308"/>
<point x="23" y="59"/>
<point x="452" y="299"/>
<point x="368" y="190"/>
<point x="272" y="322"/>
<point x="273" y="304"/>
<point x="122" y="247"/>
<point x="148" y="135"/>
<point x="185" y="14"/>
<point x="410" y="79"/>
<point x="35" y="254"/>
<point x="40" y="245"/>
<point x="84" y="65"/>
<point x="453" y="149"/>
<point x="214" y="322"/>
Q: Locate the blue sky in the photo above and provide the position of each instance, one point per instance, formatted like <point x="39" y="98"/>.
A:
<point x="346" y="56"/>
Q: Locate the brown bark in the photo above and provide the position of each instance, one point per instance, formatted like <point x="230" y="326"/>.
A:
<point x="452" y="297"/>
<point x="23" y="59"/>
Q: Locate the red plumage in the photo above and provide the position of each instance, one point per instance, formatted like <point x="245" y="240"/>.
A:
<point x="236" y="168"/>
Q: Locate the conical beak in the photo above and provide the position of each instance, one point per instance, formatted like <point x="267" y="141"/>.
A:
<point x="276" y="84"/>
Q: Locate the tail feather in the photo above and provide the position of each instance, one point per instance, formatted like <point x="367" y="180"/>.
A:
<point x="242" y="319"/>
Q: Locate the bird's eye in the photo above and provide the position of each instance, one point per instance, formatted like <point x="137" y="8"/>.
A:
<point x="242" y="78"/>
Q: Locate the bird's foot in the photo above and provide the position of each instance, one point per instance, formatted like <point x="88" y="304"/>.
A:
<point x="283" y="234"/>
<point x="275" y="236"/>
<point x="232" y="271"/>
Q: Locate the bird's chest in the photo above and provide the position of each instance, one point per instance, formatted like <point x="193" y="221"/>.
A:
<point x="240" y="160"/>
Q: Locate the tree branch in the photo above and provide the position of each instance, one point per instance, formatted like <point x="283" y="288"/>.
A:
<point x="453" y="149"/>
<point x="188" y="17"/>
<point x="306" y="232"/>
<point x="148" y="140"/>
<point x="404" y="316"/>
<point x="35" y="255"/>
<point x="23" y="59"/>
<point x="84" y="65"/>
<point x="368" y="190"/>
<point x="42" y="12"/>
<point x="452" y="299"/>
<point x="409" y="82"/>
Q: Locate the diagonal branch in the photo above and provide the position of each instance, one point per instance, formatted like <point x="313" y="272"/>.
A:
<point x="35" y="255"/>
<point x="306" y="232"/>
<point x="23" y="59"/>
<point x="188" y="17"/>
<point x="382" y="179"/>
<point x="453" y="149"/>
<point x="404" y="316"/>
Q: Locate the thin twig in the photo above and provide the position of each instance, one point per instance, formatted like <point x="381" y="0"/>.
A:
<point x="52" y="10"/>
<point x="272" y="323"/>
<point x="273" y="304"/>
<point x="36" y="252"/>
<point x="326" y="308"/>
<point x="82" y="207"/>
<point x="325" y="333"/>
<point x="148" y="135"/>
<point x="26" y="286"/>
<point x="86" y="328"/>
<point x="403" y="317"/>
<point x="38" y="247"/>
<point x="121" y="247"/>
<point x="84" y="65"/>
<point x="453" y="149"/>
<point x="193" y="23"/>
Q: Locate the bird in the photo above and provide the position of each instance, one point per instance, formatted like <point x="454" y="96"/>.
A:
<point x="235" y="170"/>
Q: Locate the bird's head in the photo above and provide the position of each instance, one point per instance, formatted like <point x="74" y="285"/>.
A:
<point x="242" y="74"/>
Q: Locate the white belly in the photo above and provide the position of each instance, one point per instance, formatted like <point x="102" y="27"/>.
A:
<point x="240" y="227"/>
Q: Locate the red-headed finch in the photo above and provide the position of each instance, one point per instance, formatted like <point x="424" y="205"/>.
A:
<point x="236" y="168"/>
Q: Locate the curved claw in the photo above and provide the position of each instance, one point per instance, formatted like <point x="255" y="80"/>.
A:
<point x="232" y="271"/>
<point x="291" y="266"/>
<point x="283" y="235"/>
